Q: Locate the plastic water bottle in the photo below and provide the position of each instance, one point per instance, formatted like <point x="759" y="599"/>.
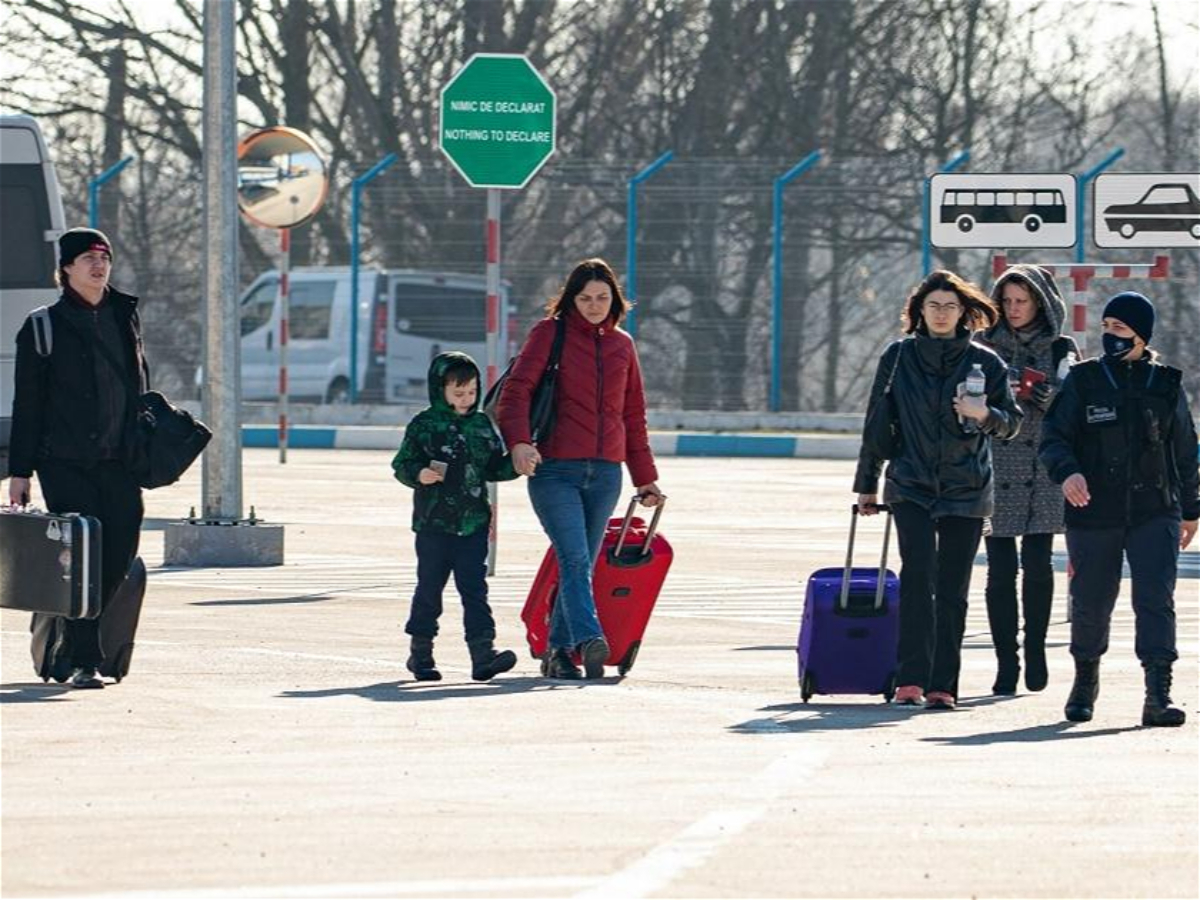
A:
<point x="1064" y="366"/>
<point x="976" y="385"/>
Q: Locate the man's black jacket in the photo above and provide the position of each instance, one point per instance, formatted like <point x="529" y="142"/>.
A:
<point x="57" y="408"/>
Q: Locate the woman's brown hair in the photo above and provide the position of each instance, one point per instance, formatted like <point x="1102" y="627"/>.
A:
<point x="594" y="269"/>
<point x="979" y="312"/>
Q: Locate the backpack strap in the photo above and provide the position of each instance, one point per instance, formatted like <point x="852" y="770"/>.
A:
<point x="43" y="331"/>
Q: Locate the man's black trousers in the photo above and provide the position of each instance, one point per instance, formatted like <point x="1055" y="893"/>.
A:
<point x="107" y="491"/>
<point x="1152" y="549"/>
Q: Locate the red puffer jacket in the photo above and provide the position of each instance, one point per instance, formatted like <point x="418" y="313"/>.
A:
<point x="600" y="407"/>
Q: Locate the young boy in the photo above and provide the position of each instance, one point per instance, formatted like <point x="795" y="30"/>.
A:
<point x="450" y="452"/>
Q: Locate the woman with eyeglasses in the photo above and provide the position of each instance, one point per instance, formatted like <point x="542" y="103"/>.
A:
<point x="1029" y="505"/>
<point x="939" y="477"/>
<point x="575" y="472"/>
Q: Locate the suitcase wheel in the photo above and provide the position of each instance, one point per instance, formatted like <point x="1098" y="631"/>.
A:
<point x="807" y="687"/>
<point x="889" y="689"/>
<point x="630" y="655"/>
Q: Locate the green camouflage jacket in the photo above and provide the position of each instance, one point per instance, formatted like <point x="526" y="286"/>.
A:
<point x="467" y="443"/>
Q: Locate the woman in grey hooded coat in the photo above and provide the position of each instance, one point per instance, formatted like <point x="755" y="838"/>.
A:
<point x="1029" y="505"/>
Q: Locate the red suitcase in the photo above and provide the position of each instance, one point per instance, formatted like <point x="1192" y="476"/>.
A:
<point x="629" y="573"/>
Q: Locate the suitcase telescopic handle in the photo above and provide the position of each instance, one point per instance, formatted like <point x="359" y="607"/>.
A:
<point x="658" y="511"/>
<point x="887" y="534"/>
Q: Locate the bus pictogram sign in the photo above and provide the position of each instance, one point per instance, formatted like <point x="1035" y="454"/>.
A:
<point x="1009" y="210"/>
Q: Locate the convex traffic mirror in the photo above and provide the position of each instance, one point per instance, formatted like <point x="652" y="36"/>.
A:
<point x="281" y="179"/>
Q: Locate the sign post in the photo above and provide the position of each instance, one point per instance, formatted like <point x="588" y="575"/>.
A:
<point x="497" y="129"/>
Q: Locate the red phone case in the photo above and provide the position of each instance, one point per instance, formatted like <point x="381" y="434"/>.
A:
<point x="1029" y="377"/>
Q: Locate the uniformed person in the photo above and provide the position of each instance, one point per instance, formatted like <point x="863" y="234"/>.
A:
<point x="1120" y="440"/>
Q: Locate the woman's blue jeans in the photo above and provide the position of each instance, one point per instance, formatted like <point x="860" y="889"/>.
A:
<point x="573" y="499"/>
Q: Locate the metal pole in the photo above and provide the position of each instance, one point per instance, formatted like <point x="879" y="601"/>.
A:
<point x="631" y="225"/>
<point x="285" y="294"/>
<point x="94" y="190"/>
<point x="777" y="270"/>
<point x="493" y="345"/>
<point x="222" y="472"/>
<point x="356" y="189"/>
<point x="926" y="213"/>
<point x="1081" y="193"/>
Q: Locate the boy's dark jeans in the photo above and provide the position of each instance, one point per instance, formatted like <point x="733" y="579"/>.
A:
<point x="937" y="557"/>
<point x="439" y="555"/>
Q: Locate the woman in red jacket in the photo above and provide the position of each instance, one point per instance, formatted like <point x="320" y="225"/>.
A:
<point x="575" y="472"/>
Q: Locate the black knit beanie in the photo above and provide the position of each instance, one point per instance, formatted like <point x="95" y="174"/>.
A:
<point x="76" y="241"/>
<point x="1135" y="310"/>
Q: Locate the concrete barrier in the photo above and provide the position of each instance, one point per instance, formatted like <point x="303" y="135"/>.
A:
<point x="664" y="443"/>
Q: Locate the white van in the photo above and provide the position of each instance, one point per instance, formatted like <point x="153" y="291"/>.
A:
<point x="33" y="220"/>
<point x="406" y="317"/>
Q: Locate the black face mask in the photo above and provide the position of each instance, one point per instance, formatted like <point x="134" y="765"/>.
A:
<point x="1116" y="347"/>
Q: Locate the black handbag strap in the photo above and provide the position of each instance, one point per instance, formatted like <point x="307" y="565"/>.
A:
<point x="887" y="388"/>
<point x="556" y="348"/>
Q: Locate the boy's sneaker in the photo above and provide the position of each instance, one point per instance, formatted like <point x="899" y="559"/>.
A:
<point x="486" y="662"/>
<point x="557" y="664"/>
<point x="909" y="695"/>
<point x="939" y="700"/>
<point x="592" y="654"/>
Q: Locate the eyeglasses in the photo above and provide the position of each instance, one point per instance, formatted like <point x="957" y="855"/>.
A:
<point x="939" y="308"/>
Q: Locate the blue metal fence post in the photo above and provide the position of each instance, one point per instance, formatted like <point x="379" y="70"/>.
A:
<point x="926" y="213"/>
<point x="1081" y="193"/>
<point x="631" y="223"/>
<point x="356" y="189"/>
<point x="777" y="270"/>
<point x="94" y="190"/>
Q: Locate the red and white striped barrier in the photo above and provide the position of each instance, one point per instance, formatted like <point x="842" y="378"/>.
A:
<point x="285" y="258"/>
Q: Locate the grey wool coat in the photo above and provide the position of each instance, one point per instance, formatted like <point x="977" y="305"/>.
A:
<point x="1027" y="501"/>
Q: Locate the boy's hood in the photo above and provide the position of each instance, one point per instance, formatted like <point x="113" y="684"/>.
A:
<point x="437" y="380"/>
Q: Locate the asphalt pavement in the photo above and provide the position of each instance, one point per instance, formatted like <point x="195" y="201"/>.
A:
<point x="269" y="743"/>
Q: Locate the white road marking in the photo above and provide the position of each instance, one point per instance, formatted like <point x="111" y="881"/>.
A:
<point x="454" y="887"/>
<point x="697" y="843"/>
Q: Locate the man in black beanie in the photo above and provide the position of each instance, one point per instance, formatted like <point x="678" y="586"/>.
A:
<point x="1120" y="440"/>
<point x="74" y="409"/>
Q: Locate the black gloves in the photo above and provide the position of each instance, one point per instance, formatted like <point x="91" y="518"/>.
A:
<point x="1042" y="395"/>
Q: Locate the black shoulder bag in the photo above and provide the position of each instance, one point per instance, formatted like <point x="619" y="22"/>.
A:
<point x="541" y="404"/>
<point x="164" y="440"/>
<point x="881" y="433"/>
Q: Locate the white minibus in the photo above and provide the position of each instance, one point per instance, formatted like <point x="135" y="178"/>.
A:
<point x="32" y="213"/>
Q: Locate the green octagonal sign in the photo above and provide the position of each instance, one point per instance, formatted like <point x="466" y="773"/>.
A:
<point x="497" y="123"/>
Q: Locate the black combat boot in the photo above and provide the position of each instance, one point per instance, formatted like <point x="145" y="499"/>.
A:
<point x="1158" y="709"/>
<point x="1084" y="691"/>
<point x="486" y="663"/>
<point x="420" y="660"/>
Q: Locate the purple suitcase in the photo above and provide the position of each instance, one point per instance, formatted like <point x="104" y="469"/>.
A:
<point x="847" y="642"/>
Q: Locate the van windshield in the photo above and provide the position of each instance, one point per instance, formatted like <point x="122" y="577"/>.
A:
<point x="257" y="305"/>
